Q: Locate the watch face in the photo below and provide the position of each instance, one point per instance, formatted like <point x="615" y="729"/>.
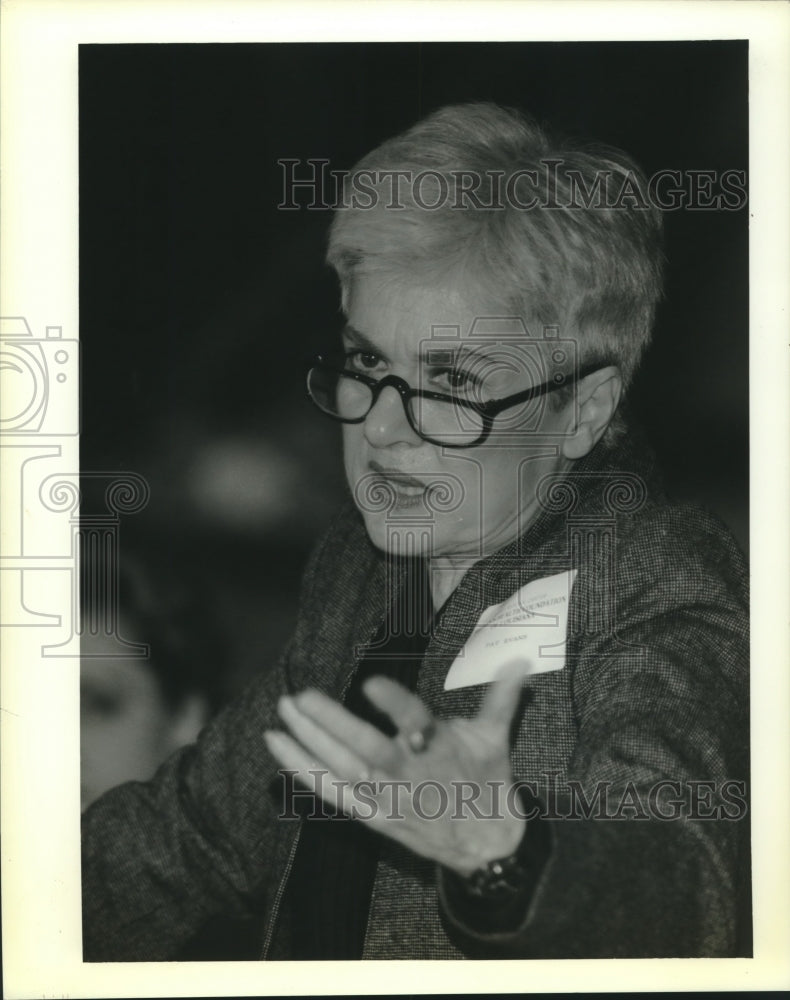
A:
<point x="504" y="877"/>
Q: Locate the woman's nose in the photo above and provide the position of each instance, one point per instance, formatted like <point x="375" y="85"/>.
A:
<point x="387" y="423"/>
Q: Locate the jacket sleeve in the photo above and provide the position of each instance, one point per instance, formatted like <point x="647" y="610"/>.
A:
<point x="649" y="828"/>
<point x="201" y="838"/>
<point x="161" y="857"/>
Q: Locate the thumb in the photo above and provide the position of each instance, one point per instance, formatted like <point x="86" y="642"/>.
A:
<point x="502" y="698"/>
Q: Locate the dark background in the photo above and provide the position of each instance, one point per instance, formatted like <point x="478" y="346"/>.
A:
<point x="199" y="299"/>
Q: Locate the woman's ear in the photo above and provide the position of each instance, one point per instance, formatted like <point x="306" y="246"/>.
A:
<point x="598" y="396"/>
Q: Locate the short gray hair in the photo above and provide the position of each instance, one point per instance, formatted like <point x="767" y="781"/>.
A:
<point x="586" y="257"/>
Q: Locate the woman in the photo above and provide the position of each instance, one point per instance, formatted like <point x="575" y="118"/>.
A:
<point x="518" y="668"/>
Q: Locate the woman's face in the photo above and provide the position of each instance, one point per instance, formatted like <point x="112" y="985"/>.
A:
<point x="124" y="725"/>
<point x="126" y="728"/>
<point x="418" y="497"/>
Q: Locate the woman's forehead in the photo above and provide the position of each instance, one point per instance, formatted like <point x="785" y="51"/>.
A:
<point x="384" y="308"/>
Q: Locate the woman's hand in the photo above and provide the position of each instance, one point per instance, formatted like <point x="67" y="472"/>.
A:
<point x="438" y="787"/>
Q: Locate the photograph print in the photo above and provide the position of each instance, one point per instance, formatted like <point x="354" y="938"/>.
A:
<point x="428" y="636"/>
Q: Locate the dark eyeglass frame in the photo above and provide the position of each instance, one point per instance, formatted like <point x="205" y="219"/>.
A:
<point x="488" y="410"/>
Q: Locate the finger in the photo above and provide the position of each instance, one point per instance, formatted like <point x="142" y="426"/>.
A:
<point x="503" y="696"/>
<point x="308" y="771"/>
<point x="364" y="739"/>
<point x="356" y="798"/>
<point x="405" y="709"/>
<point x="326" y="747"/>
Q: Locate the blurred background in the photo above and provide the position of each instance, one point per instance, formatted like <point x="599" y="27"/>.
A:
<point x="200" y="300"/>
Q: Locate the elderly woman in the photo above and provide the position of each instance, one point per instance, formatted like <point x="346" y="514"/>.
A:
<point x="511" y="721"/>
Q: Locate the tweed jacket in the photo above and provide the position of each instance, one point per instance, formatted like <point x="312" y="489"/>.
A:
<point x="652" y="697"/>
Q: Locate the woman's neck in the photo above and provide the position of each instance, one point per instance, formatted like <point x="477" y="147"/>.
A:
<point x="445" y="575"/>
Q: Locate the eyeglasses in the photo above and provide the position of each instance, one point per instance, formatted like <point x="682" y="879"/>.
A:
<point x="445" y="420"/>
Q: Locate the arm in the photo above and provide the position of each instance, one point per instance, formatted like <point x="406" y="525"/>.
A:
<point x="678" y="711"/>
<point x="159" y="858"/>
<point x="201" y="838"/>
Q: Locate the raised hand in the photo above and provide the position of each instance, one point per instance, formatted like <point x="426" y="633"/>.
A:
<point x="438" y="787"/>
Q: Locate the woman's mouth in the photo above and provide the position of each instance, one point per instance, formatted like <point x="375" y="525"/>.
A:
<point x="408" y="490"/>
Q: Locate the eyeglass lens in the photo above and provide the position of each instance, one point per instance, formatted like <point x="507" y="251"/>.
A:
<point x="346" y="398"/>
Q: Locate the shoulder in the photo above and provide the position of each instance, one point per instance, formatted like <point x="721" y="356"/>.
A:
<point x="343" y="551"/>
<point x="662" y="587"/>
<point x="341" y="597"/>
<point x="668" y="616"/>
<point x="667" y="550"/>
<point x="679" y="553"/>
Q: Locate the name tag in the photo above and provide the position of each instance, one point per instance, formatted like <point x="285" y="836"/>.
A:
<point x="530" y="627"/>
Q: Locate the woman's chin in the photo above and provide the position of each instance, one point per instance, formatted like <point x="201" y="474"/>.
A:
<point x="398" y="538"/>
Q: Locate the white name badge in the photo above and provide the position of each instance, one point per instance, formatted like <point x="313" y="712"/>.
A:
<point x="530" y="627"/>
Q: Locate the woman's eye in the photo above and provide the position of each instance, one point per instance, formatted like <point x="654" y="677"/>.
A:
<point x="363" y="360"/>
<point x="100" y="703"/>
<point x="458" y="379"/>
<point x="454" y="379"/>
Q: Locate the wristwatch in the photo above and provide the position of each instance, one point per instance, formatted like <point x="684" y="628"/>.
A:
<point x="510" y="877"/>
<point x="495" y="897"/>
<point x="503" y="878"/>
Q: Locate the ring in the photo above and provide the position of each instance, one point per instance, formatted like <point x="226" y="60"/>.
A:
<point x="418" y="739"/>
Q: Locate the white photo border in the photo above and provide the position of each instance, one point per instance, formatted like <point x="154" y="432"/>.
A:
<point x="39" y="241"/>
